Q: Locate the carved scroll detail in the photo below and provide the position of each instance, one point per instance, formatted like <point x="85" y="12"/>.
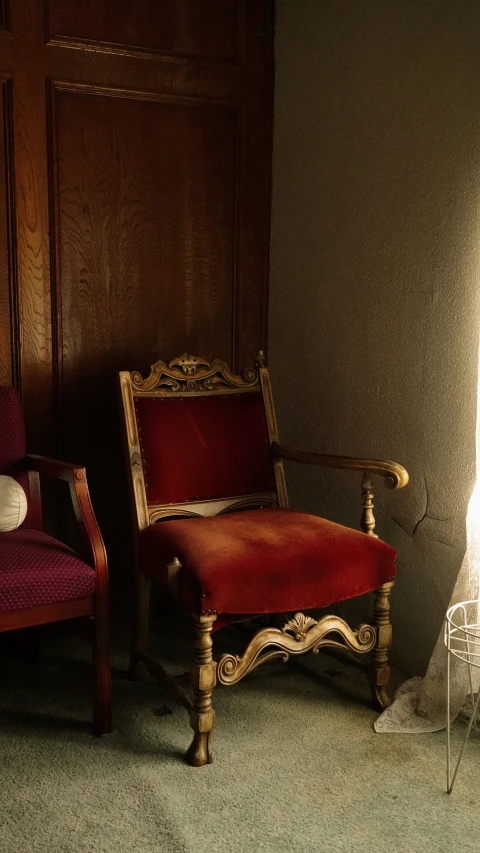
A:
<point x="299" y="626"/>
<point x="189" y="373"/>
<point x="307" y="637"/>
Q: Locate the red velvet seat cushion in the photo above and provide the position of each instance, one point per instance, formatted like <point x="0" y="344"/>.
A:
<point x="36" y="569"/>
<point x="265" y="561"/>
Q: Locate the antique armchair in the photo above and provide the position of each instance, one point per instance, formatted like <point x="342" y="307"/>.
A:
<point x="213" y="526"/>
<point x="41" y="579"/>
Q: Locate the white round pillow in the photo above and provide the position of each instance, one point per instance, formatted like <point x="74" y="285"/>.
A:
<point x="13" y="504"/>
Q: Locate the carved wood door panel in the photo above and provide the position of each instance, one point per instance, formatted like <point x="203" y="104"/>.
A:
<point x="135" y="149"/>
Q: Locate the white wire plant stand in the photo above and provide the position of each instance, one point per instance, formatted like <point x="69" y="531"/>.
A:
<point x="462" y="639"/>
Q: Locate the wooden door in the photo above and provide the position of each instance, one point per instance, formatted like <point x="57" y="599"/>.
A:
<point x="134" y="206"/>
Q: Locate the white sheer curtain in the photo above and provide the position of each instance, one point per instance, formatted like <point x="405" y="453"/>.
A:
<point x="420" y="703"/>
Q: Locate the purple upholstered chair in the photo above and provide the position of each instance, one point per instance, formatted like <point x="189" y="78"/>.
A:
<point x="41" y="579"/>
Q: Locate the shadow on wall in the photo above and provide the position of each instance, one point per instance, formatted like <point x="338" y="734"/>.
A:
<point x="375" y="265"/>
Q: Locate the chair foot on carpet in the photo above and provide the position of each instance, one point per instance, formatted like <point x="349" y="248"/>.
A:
<point x="203" y="680"/>
<point x="199" y="752"/>
<point x="379" y="668"/>
<point x="103" y="725"/>
<point x="380" y="697"/>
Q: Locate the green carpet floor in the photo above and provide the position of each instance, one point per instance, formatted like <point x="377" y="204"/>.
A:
<point x="297" y="767"/>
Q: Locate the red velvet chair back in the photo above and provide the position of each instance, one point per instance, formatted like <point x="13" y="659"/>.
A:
<point x="196" y="447"/>
<point x="198" y="439"/>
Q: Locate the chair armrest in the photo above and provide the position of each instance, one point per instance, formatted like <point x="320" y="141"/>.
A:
<point x="396" y="477"/>
<point x="47" y="467"/>
<point x="76" y="477"/>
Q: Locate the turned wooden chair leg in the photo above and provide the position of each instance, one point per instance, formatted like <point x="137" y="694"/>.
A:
<point x="204" y="677"/>
<point x="379" y="668"/>
<point x="102" y="691"/>
<point x="141" y="620"/>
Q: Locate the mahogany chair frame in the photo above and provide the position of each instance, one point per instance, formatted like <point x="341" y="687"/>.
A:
<point x="189" y="375"/>
<point x="95" y="607"/>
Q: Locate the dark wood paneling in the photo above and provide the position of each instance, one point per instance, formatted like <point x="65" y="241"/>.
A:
<point x="140" y="73"/>
<point x="254" y="209"/>
<point x="140" y="223"/>
<point x="143" y="202"/>
<point x="4" y="15"/>
<point x="32" y="220"/>
<point x="8" y="281"/>
<point x="5" y="327"/>
<point x="144" y="209"/>
<point x="205" y="28"/>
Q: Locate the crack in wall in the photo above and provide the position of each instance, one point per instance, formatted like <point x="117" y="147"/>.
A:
<point x="431" y="518"/>
<point x="399" y="524"/>
<point x="427" y="499"/>
<point x="440" y="542"/>
<point x="423" y="518"/>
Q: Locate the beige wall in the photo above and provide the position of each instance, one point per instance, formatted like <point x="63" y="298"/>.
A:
<point x="375" y="271"/>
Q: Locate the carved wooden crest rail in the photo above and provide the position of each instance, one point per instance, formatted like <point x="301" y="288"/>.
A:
<point x="190" y="373"/>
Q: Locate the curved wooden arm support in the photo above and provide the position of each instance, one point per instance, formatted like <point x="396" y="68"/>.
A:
<point x="53" y="467"/>
<point x="75" y="476"/>
<point x="396" y="477"/>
